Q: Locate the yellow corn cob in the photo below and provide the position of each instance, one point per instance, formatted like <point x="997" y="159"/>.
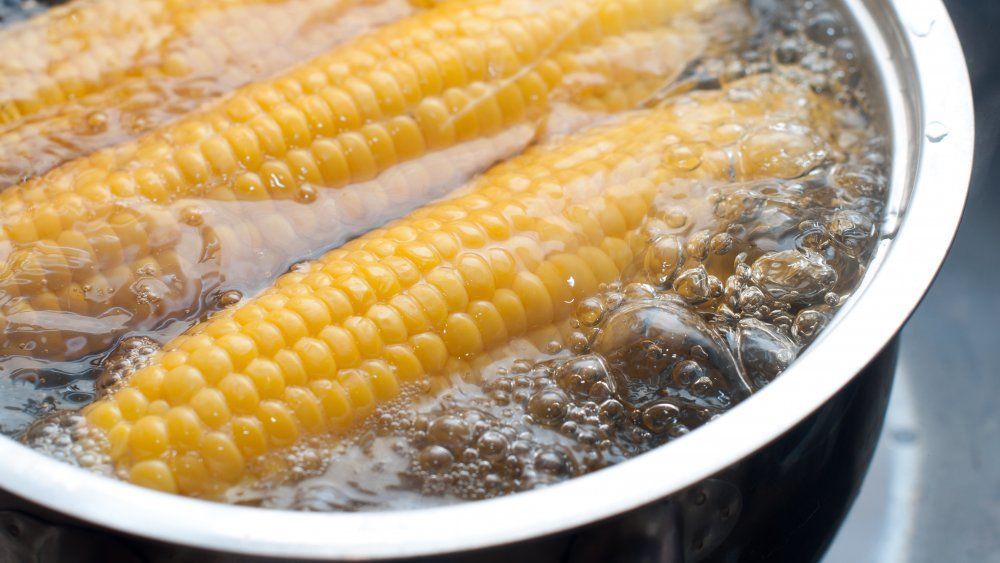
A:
<point x="419" y="68"/>
<point x="455" y="279"/>
<point x="203" y="53"/>
<point x="73" y="50"/>
<point x="73" y="246"/>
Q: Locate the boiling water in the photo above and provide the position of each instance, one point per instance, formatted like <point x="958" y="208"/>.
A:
<point x="722" y="300"/>
<point x="700" y="321"/>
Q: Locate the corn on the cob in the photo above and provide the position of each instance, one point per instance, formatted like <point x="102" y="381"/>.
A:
<point x="453" y="280"/>
<point x="197" y="56"/>
<point x="72" y="246"/>
<point x="76" y="49"/>
<point x="420" y="68"/>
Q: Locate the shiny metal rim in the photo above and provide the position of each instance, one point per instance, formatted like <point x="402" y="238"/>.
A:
<point x="929" y="99"/>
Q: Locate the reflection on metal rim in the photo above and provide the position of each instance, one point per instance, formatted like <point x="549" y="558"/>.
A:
<point x="929" y="101"/>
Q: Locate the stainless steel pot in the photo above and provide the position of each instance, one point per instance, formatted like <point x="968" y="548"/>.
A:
<point x="770" y="480"/>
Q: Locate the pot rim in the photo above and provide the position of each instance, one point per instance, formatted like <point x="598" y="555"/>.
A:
<point x="926" y="85"/>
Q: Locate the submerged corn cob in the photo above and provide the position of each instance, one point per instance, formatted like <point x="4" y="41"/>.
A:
<point x="455" y="279"/>
<point x="86" y="45"/>
<point x="203" y="54"/>
<point x="105" y="234"/>
<point x="75" y="49"/>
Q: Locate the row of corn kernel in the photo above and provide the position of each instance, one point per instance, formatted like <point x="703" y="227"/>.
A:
<point x="227" y="53"/>
<point x="276" y="125"/>
<point x="174" y="249"/>
<point x="78" y="48"/>
<point x="350" y="155"/>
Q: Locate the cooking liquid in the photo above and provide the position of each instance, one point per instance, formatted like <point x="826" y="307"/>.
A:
<point x="728" y="292"/>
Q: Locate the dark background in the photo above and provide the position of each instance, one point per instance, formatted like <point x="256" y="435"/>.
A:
<point x="933" y="493"/>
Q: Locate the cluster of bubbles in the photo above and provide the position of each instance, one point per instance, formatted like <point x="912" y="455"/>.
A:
<point x="532" y="424"/>
<point x="63" y="436"/>
<point x="129" y="356"/>
<point x="697" y="324"/>
<point x="60" y="433"/>
<point x="805" y="40"/>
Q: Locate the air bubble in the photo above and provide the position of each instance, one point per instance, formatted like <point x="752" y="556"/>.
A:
<point x="808" y="323"/>
<point x="793" y="275"/>
<point x="229" y="298"/>
<point x="685" y="373"/>
<point x="492" y="445"/>
<point x="721" y="244"/>
<point x="825" y="28"/>
<point x="589" y="311"/>
<point x="556" y="462"/>
<point x="663" y="257"/>
<point x="697" y="245"/>
<point x="694" y="285"/>
<point x="611" y="411"/>
<point x="750" y="299"/>
<point x="548" y="406"/>
<point x="436" y="458"/>
<point x="660" y="416"/>
<point x="763" y="351"/>
<point x="306" y="194"/>
<point x="785" y="151"/>
<point x="922" y="27"/>
<point x="789" y="51"/>
<point x="578" y="376"/>
<point x="936" y="131"/>
<point x="448" y="431"/>
<point x="97" y="122"/>
<point x="192" y="216"/>
<point x="683" y="157"/>
<point x="644" y="342"/>
<point x="675" y="217"/>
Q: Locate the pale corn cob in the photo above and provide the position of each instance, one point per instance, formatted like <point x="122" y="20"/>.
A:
<point x="66" y="248"/>
<point x="75" y="49"/>
<point x="455" y="279"/>
<point x="202" y="57"/>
